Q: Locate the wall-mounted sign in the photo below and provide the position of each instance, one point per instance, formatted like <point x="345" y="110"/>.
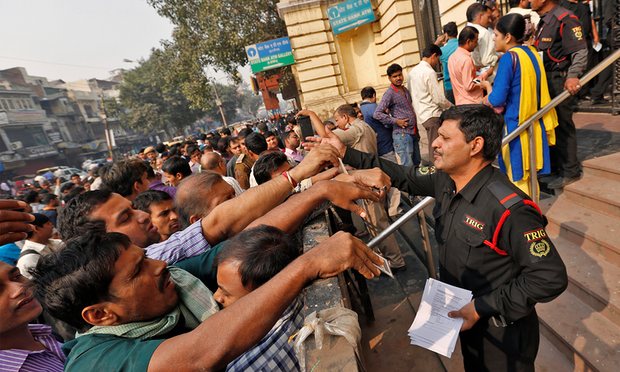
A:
<point x="270" y="54"/>
<point x="349" y="15"/>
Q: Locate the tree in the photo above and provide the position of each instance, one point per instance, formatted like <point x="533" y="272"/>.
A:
<point x="214" y="33"/>
<point x="248" y="103"/>
<point x="152" y="95"/>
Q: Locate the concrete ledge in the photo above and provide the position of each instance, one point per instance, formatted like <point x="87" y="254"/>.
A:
<point x="336" y="354"/>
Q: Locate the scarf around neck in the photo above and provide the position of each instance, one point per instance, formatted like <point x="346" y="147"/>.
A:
<point x="196" y="304"/>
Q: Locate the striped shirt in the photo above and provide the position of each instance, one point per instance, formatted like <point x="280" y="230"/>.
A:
<point x="180" y="245"/>
<point x="397" y="103"/>
<point x="51" y="359"/>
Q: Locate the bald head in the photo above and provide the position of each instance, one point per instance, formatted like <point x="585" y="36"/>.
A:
<point x="212" y="161"/>
<point x="198" y="194"/>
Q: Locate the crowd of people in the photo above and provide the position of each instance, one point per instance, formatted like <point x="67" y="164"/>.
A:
<point x="186" y="255"/>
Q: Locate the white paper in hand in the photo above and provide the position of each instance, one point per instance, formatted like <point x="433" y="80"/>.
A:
<point x="432" y="328"/>
<point x="385" y="268"/>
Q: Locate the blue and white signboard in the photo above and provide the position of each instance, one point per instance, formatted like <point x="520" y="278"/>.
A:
<point x="270" y="54"/>
<point x="349" y="15"/>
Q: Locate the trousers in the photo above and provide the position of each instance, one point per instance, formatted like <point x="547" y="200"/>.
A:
<point x="486" y="347"/>
<point x="407" y="148"/>
<point x="564" y="153"/>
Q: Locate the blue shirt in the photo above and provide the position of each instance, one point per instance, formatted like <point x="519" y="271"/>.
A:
<point x="384" y="132"/>
<point x="181" y="245"/>
<point x="446" y="52"/>
<point x="9" y="253"/>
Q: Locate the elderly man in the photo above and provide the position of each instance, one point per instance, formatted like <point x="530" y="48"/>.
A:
<point x="491" y="238"/>
<point x="199" y="194"/>
<point x="137" y="313"/>
<point x="214" y="162"/>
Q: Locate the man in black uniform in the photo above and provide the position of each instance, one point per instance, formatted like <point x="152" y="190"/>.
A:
<point x="561" y="40"/>
<point x="491" y="238"/>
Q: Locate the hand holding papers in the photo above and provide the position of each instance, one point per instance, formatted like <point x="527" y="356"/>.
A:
<point x="432" y="328"/>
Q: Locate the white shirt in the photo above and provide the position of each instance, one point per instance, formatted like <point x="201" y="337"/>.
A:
<point x="426" y="93"/>
<point x="234" y="184"/>
<point x="253" y="182"/>
<point x="484" y="55"/>
<point x="28" y="261"/>
<point x="534" y="17"/>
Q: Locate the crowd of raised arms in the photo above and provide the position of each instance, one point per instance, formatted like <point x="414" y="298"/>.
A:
<point x="187" y="255"/>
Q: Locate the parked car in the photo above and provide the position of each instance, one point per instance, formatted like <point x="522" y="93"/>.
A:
<point x="67" y="172"/>
<point x="90" y="162"/>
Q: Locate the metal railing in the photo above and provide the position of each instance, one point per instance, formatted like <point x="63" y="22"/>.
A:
<point x="527" y="125"/>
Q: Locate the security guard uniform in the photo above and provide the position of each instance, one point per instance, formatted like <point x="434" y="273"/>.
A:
<point x="492" y="241"/>
<point x="243" y="168"/>
<point x="561" y="41"/>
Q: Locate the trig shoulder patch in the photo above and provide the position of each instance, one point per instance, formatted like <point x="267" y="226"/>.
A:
<point x="539" y="243"/>
<point x="535" y="235"/>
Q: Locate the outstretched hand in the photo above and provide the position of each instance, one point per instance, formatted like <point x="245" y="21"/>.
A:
<point x="329" y="138"/>
<point x="14" y="224"/>
<point x="374" y="179"/>
<point x="315" y="161"/>
<point x="340" y="252"/>
<point x="344" y="195"/>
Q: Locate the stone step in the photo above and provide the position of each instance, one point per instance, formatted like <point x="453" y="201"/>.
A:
<point x="550" y="359"/>
<point x="605" y="166"/>
<point x="597" y="193"/>
<point x="591" y="278"/>
<point x="598" y="233"/>
<point x="588" y="338"/>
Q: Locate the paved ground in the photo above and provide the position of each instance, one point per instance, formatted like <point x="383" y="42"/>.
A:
<point x="597" y="134"/>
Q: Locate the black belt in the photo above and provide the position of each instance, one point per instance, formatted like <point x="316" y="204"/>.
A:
<point x="499" y="321"/>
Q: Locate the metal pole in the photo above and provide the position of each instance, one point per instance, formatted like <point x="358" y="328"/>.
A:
<point x="108" y="140"/>
<point x="430" y="263"/>
<point x="561" y="97"/>
<point x="218" y="102"/>
<point x="533" y="170"/>
<point x="399" y="222"/>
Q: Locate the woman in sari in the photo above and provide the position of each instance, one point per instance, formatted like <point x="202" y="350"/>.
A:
<point x="520" y="90"/>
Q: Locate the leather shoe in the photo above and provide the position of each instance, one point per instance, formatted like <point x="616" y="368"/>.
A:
<point x="562" y="182"/>
<point x="548" y="178"/>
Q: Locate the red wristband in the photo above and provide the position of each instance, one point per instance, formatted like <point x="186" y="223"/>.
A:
<point x="290" y="179"/>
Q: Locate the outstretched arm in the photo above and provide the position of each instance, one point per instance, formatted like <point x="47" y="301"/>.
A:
<point x="234" y="215"/>
<point x="230" y="332"/>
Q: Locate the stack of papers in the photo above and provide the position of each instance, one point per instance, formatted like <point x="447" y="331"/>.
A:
<point x="432" y="328"/>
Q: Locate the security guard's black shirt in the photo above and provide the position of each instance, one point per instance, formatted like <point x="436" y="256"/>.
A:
<point x="558" y="39"/>
<point x="509" y="285"/>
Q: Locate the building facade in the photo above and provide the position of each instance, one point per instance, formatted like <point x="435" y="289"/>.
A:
<point x="331" y="70"/>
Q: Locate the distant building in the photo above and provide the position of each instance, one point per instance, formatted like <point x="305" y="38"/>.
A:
<point x="27" y="136"/>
